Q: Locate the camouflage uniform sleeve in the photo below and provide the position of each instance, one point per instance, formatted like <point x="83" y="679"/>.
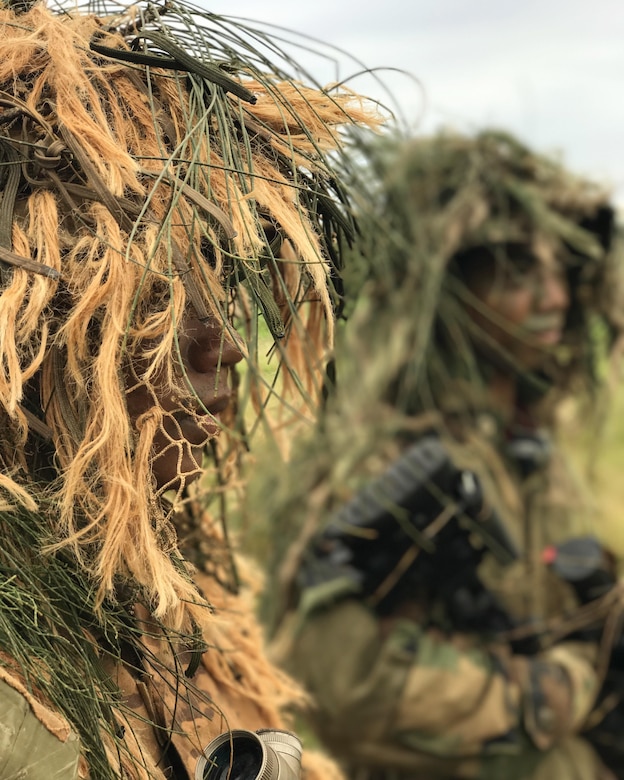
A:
<point x="385" y="698"/>
<point x="32" y="748"/>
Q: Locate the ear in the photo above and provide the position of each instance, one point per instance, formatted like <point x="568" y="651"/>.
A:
<point x="602" y="225"/>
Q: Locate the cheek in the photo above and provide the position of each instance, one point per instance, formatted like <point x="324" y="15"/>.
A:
<point x="138" y="401"/>
<point x="513" y="306"/>
<point x="175" y="450"/>
<point x="174" y="459"/>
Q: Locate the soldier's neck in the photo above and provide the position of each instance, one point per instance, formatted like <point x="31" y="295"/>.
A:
<point x="503" y="393"/>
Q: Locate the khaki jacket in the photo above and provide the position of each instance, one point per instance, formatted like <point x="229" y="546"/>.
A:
<point x="165" y="718"/>
<point x="398" y="698"/>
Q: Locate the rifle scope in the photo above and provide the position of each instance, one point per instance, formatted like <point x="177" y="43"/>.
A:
<point x="267" y="754"/>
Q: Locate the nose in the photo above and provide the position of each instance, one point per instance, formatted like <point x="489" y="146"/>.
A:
<point x="552" y="290"/>
<point x="210" y="346"/>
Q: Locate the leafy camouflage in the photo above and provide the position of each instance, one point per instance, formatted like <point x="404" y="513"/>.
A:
<point x="406" y="695"/>
<point x="157" y="162"/>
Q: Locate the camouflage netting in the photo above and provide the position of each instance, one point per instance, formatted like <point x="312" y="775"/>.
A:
<point x="140" y="182"/>
<point x="409" y="352"/>
<point x="154" y="164"/>
<point x="440" y="202"/>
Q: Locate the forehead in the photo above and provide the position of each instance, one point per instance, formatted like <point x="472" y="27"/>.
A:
<point x="535" y="251"/>
<point x="545" y="251"/>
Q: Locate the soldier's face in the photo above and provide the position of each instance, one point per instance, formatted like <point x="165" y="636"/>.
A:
<point x="208" y="354"/>
<point x="522" y="299"/>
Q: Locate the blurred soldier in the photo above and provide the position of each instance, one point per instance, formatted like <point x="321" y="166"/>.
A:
<point x="431" y="604"/>
<point x="158" y="192"/>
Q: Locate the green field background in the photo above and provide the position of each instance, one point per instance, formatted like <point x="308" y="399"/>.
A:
<point x="599" y="455"/>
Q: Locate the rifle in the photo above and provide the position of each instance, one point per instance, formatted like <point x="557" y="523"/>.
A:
<point x="429" y="519"/>
<point x="590" y="569"/>
<point x="425" y="504"/>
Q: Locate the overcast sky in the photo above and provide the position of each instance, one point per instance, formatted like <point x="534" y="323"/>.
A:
<point x="552" y="71"/>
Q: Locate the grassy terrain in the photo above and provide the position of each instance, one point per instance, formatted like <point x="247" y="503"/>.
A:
<point x="605" y="461"/>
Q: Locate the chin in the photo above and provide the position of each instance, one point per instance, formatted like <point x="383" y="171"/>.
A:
<point x="170" y="474"/>
<point x="538" y="360"/>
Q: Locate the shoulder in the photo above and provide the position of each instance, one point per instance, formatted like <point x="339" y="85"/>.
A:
<point x="33" y="737"/>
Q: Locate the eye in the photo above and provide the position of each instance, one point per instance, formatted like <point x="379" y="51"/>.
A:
<point x="272" y="234"/>
<point x="516" y="264"/>
<point x="207" y="252"/>
<point x="521" y="258"/>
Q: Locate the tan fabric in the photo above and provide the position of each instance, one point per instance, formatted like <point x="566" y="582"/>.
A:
<point x="53" y="722"/>
<point x="234" y="687"/>
<point x="29" y="750"/>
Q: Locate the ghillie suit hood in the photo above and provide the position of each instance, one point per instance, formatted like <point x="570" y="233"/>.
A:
<point x="408" y="356"/>
<point x="148" y="170"/>
<point x="154" y="164"/>
<point x="438" y="204"/>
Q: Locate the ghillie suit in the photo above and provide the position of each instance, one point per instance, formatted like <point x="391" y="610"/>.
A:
<point x="153" y="165"/>
<point x="410" y="681"/>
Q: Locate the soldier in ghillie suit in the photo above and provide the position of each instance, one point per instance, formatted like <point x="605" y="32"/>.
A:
<point x="445" y="599"/>
<point x="163" y="191"/>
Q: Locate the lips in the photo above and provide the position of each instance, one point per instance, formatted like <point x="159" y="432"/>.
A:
<point x="538" y="323"/>
<point x="216" y="405"/>
<point x="196" y="431"/>
<point x="197" y="427"/>
<point x="547" y="336"/>
<point x="547" y="330"/>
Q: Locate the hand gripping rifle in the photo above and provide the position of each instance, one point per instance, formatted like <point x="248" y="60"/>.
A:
<point x="591" y="570"/>
<point x="421" y="528"/>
